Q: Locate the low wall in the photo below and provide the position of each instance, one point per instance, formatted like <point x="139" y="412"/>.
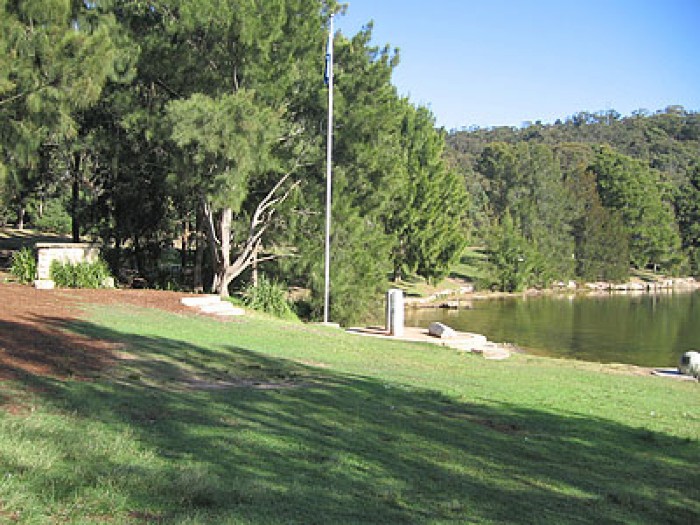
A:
<point x="47" y="252"/>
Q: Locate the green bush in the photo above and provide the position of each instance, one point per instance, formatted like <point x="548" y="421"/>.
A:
<point x="269" y="297"/>
<point x="79" y="275"/>
<point x="24" y="265"/>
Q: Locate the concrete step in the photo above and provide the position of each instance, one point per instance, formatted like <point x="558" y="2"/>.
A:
<point x="492" y="351"/>
<point x="213" y="305"/>
<point x="200" y="300"/>
<point x="222" y="308"/>
<point x="467" y="342"/>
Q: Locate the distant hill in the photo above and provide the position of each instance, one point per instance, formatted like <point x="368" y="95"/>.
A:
<point x="668" y="140"/>
<point x="584" y="197"/>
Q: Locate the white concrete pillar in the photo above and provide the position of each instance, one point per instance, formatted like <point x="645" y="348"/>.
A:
<point x="394" y="312"/>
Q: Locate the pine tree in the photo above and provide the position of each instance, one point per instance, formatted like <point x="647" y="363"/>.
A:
<point x="602" y="252"/>
<point x="368" y="170"/>
<point x="427" y="222"/>
<point x="359" y="263"/>
<point x="546" y="213"/>
<point x="58" y="56"/>
<point x="688" y="211"/>
<point x="630" y="187"/>
<point x="512" y="260"/>
<point x="526" y="180"/>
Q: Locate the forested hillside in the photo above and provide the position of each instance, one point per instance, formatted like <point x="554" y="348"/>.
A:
<point x="200" y="125"/>
<point x="585" y="198"/>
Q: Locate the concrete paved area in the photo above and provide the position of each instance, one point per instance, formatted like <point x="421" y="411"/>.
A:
<point x="464" y="341"/>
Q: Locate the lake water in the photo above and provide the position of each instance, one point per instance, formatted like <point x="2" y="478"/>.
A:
<point x="645" y="329"/>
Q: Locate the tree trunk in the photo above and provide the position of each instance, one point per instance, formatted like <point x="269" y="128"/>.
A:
<point x="225" y="270"/>
<point x="224" y="279"/>
<point x="137" y="255"/>
<point x="20" y="217"/>
<point x="184" y="244"/>
<point x="75" y="199"/>
<point x="254" y="267"/>
<point x="213" y="241"/>
<point x="117" y="257"/>
<point x="397" y="275"/>
<point x="198" y="282"/>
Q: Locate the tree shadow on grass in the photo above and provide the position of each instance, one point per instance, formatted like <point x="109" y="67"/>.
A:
<point x="41" y="349"/>
<point x="268" y="440"/>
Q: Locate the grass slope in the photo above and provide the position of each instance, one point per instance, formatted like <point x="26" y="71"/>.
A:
<point x="317" y="426"/>
<point x="14" y="239"/>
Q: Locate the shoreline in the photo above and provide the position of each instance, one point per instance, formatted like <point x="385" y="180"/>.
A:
<point x="477" y="344"/>
<point x="451" y="298"/>
<point x="466" y="300"/>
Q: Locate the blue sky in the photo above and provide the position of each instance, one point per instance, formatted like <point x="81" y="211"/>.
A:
<point x="506" y="62"/>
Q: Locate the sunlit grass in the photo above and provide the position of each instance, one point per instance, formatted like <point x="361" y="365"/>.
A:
<point x="262" y="421"/>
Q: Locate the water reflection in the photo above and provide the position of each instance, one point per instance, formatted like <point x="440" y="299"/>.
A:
<point x="643" y="329"/>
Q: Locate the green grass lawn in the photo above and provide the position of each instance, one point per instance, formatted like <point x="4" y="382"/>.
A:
<point x="470" y="265"/>
<point x="318" y="426"/>
<point x="468" y="270"/>
<point x="14" y="239"/>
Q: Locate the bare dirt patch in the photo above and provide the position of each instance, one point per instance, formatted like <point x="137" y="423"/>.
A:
<point x="33" y="342"/>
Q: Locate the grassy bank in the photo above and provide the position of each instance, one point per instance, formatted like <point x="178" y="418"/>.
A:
<point x="261" y="421"/>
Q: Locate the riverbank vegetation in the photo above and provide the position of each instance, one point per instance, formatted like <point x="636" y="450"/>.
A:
<point x="589" y="198"/>
<point x="202" y="421"/>
<point x="189" y="138"/>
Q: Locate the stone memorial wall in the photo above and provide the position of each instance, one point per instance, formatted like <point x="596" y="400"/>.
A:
<point x="65" y="253"/>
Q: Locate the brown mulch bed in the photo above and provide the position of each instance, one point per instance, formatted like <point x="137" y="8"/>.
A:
<point x="33" y="336"/>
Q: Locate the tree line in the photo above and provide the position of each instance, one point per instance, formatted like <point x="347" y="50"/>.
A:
<point x="590" y="197"/>
<point x="200" y="125"/>
<point x="190" y="134"/>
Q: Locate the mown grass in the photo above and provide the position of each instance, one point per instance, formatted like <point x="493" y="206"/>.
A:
<point x="15" y="239"/>
<point x="468" y="270"/>
<point x="471" y="265"/>
<point x="318" y="426"/>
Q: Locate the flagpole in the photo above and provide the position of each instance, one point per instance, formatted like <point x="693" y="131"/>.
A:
<point x="329" y="152"/>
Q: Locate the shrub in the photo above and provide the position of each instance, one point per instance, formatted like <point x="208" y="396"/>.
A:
<point x="269" y="297"/>
<point x="79" y="275"/>
<point x="24" y="265"/>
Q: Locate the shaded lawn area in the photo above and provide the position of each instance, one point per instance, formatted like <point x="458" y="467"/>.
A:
<point x="15" y="239"/>
<point x="260" y="421"/>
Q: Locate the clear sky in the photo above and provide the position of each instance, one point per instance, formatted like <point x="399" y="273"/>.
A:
<point x="505" y="62"/>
